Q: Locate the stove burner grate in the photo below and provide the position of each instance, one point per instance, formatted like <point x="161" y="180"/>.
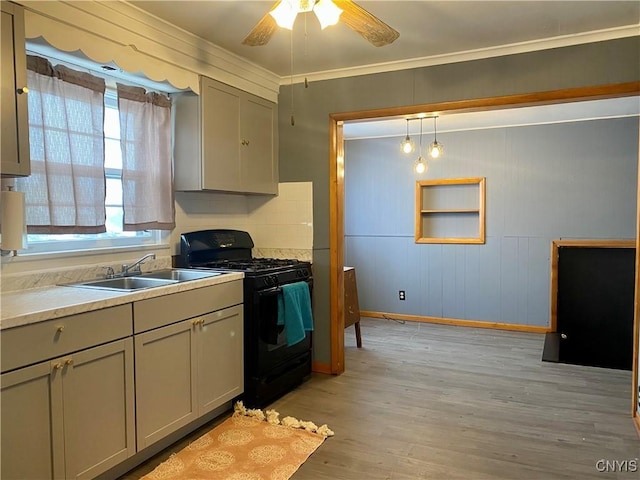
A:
<point x="251" y="264"/>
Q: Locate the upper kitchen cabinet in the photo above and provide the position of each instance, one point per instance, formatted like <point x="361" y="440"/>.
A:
<point x="225" y="140"/>
<point x="14" y="152"/>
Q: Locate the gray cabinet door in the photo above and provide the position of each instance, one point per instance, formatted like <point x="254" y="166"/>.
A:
<point x="14" y="150"/>
<point x="27" y="426"/>
<point x="220" y="358"/>
<point x="221" y="142"/>
<point x="259" y="160"/>
<point x="98" y="406"/>
<point x="165" y="370"/>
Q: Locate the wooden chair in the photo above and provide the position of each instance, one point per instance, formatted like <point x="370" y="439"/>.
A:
<point x="351" y="306"/>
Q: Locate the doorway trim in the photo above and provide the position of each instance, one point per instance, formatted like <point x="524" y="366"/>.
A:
<point x="336" y="190"/>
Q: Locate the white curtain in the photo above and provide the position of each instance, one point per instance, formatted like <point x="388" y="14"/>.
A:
<point x="147" y="174"/>
<point x="65" y="192"/>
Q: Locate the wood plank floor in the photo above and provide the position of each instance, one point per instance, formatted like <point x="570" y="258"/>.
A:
<point x="423" y="401"/>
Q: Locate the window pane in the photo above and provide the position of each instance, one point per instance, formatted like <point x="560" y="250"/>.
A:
<point x="114" y="194"/>
<point x="114" y="221"/>
<point x="112" y="154"/>
<point x="111" y="123"/>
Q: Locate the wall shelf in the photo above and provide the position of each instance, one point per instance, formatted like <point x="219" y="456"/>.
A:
<point x="453" y="210"/>
<point x="450" y="210"/>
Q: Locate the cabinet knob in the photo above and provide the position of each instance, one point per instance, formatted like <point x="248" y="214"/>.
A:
<point x="563" y="336"/>
<point x="60" y="329"/>
<point x="22" y="90"/>
<point x="57" y="366"/>
<point x="68" y="361"/>
<point x="245" y="142"/>
<point x="197" y="321"/>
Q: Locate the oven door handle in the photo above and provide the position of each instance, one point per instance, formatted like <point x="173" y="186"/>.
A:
<point x="269" y="291"/>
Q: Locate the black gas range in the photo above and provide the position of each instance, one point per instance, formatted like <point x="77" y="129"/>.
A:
<point x="271" y="367"/>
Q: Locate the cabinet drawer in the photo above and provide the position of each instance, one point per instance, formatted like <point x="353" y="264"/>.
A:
<point x="40" y="341"/>
<point x="160" y="311"/>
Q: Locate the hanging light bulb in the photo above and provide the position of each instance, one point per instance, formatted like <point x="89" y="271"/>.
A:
<point x="436" y="149"/>
<point x="327" y="12"/>
<point x="407" y="144"/>
<point x="420" y="166"/>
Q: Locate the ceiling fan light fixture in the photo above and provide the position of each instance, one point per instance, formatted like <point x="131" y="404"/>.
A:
<point x="285" y="14"/>
<point x="327" y="12"/>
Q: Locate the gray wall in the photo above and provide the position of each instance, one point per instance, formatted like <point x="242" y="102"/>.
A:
<point x="571" y="180"/>
<point x="304" y="148"/>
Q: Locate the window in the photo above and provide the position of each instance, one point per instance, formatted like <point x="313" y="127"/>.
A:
<point x="114" y="236"/>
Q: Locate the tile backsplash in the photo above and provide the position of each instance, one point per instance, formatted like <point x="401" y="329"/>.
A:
<point x="279" y="225"/>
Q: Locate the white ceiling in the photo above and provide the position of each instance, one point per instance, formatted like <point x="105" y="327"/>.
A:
<point x="429" y="30"/>
<point x="566" y="112"/>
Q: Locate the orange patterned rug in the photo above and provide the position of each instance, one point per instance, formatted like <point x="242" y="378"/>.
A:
<point x="246" y="446"/>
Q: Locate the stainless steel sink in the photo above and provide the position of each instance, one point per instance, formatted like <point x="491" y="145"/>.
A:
<point x="146" y="280"/>
<point x="124" y="283"/>
<point x="180" y="275"/>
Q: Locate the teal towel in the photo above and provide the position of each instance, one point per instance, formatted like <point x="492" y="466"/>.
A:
<point x="294" y="311"/>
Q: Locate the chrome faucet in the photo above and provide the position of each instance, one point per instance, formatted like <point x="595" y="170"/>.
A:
<point x="134" y="268"/>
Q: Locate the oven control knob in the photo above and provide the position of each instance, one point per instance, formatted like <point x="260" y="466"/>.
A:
<point x="270" y="280"/>
<point x="303" y="273"/>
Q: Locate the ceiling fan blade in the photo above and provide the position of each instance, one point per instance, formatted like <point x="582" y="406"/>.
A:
<point x="370" y="27"/>
<point x="263" y="31"/>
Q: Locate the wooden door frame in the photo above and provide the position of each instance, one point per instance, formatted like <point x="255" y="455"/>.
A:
<point x="336" y="193"/>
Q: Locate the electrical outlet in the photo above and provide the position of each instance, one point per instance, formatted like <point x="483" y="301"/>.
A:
<point x="401" y="294"/>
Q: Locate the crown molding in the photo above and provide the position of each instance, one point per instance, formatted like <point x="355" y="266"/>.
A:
<point x="122" y="30"/>
<point x="469" y="55"/>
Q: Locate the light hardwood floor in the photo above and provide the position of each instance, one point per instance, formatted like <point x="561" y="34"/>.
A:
<point x="423" y="401"/>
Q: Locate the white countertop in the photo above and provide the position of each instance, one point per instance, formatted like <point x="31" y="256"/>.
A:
<point x="23" y="307"/>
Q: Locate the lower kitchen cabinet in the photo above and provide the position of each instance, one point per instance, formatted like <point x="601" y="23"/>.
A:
<point x="185" y="370"/>
<point x="70" y="417"/>
<point x="27" y="424"/>
<point x="165" y="369"/>
<point x="220" y="358"/>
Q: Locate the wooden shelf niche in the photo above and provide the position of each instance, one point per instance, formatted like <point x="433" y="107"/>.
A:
<point x="450" y="210"/>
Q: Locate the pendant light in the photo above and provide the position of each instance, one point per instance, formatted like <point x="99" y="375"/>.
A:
<point x="436" y="149"/>
<point x="420" y="166"/>
<point x="407" y="144"/>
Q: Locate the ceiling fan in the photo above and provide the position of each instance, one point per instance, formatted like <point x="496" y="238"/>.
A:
<point x="283" y="13"/>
